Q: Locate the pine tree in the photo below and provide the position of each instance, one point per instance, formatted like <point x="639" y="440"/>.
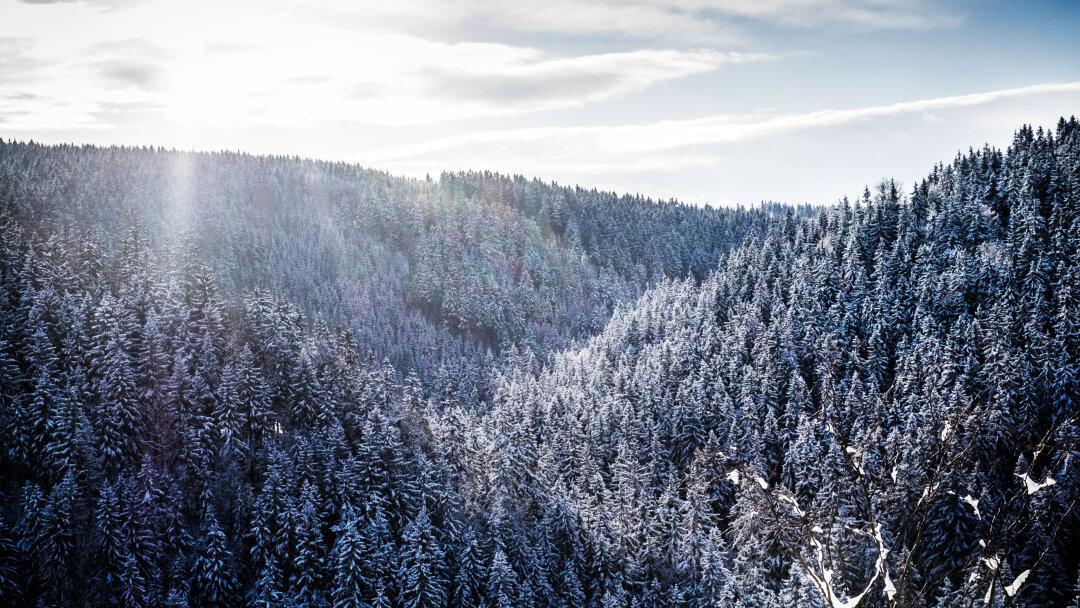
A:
<point x="469" y="576"/>
<point x="351" y="581"/>
<point x="268" y="592"/>
<point x="118" y="415"/>
<point x="502" y="584"/>
<point x="423" y="580"/>
<point x="309" y="562"/>
<point x="213" y="581"/>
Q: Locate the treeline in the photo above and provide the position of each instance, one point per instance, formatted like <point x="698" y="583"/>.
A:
<point x="874" y="405"/>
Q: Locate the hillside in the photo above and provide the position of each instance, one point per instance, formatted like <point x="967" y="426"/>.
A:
<point x="427" y="274"/>
<point x="870" y="405"/>
<point x="877" y="406"/>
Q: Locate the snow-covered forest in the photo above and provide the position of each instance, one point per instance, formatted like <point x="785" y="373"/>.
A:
<point x="230" y="380"/>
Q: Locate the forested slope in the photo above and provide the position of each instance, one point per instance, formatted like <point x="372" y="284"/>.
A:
<point x="427" y="274"/>
<point x="873" y="405"/>
<point x="877" y="406"/>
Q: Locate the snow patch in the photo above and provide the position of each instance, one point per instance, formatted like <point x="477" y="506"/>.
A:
<point x="824" y="582"/>
<point x="1015" y="586"/>
<point x="794" y="504"/>
<point x="890" y="588"/>
<point x="1034" y="486"/>
<point x="974" y="502"/>
<point x="883" y="553"/>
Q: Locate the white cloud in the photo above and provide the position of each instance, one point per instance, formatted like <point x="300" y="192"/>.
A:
<point x="218" y="65"/>
<point x="875" y="14"/>
<point x="413" y="81"/>
<point x="301" y="64"/>
<point x="538" y="83"/>
<point x="697" y="21"/>
<point x="633" y="19"/>
<point x="27" y="112"/>
<point x="665" y="145"/>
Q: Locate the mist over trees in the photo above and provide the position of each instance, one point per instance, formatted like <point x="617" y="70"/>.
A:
<point x="230" y="380"/>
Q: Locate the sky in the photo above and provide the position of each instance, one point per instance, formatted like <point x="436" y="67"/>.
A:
<point x="706" y="101"/>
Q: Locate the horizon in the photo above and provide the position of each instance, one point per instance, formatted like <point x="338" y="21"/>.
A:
<point x="902" y="186"/>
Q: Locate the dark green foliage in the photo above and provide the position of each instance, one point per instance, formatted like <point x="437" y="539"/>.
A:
<point x="230" y="380"/>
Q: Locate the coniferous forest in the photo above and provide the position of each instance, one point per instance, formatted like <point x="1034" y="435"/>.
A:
<point x="231" y="380"/>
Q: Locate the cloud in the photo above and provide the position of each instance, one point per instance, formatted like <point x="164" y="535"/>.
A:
<point x="285" y="63"/>
<point x="16" y="61"/>
<point x="524" y="89"/>
<point x="700" y="22"/>
<point x="103" y="4"/>
<point x="415" y="81"/>
<point x="227" y="47"/>
<point x="455" y="20"/>
<point x="134" y="47"/>
<point x="128" y="73"/>
<point x="873" y="14"/>
<point x="61" y="85"/>
<point x="537" y="84"/>
<point x="131" y="62"/>
<point x="226" y="65"/>
<point x="21" y="111"/>
<point x="664" y="145"/>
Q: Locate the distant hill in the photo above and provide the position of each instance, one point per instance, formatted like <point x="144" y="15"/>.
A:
<point x="428" y="274"/>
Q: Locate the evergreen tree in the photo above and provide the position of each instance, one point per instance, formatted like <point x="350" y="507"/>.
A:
<point x="350" y="579"/>
<point x="213" y="580"/>
<point x="423" y="580"/>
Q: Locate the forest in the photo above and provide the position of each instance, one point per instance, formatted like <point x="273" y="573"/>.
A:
<point x="231" y="380"/>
